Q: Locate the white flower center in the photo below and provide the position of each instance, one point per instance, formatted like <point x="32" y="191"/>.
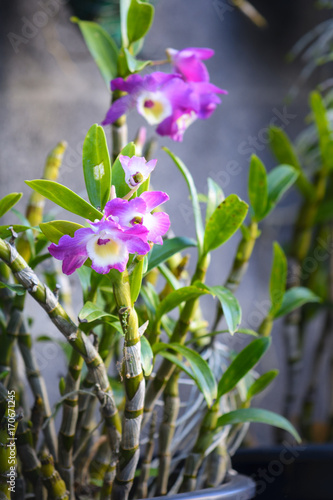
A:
<point x="154" y="106"/>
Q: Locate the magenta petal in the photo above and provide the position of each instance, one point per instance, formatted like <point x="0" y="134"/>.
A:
<point x="153" y="199"/>
<point x="72" y="251"/>
<point x="123" y="211"/>
<point x="200" y="52"/>
<point x="131" y="85"/>
<point x="158" y="224"/>
<point x="118" y="108"/>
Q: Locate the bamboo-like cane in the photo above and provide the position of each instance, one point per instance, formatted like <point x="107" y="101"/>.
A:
<point x="3" y="400"/>
<point x="119" y="131"/>
<point x="9" y="337"/>
<point x="239" y="267"/>
<point x="142" y="488"/>
<point x="165" y="370"/>
<point x="134" y="388"/>
<point x="31" y="466"/>
<point x="218" y="464"/>
<point x="51" y="478"/>
<point x="109" y="478"/>
<point x="38" y="387"/>
<point x="76" y="338"/>
<point x="68" y="423"/>
<point x="34" y="212"/>
<point x="8" y="426"/>
<point x="196" y="457"/>
<point x="167" y="431"/>
<point x="100" y="464"/>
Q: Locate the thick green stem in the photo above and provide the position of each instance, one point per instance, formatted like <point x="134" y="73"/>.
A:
<point x="76" y="338"/>
<point x="142" y="488"/>
<point x="109" y="478"/>
<point x="31" y="466"/>
<point x="134" y="388"/>
<point x="218" y="465"/>
<point x="164" y="372"/>
<point x="68" y="423"/>
<point x="38" y="387"/>
<point x="51" y="478"/>
<point x="167" y="431"/>
<point x="204" y="440"/>
<point x="239" y="267"/>
<point x="119" y="131"/>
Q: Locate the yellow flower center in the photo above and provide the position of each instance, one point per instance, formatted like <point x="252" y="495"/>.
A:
<point x="104" y="247"/>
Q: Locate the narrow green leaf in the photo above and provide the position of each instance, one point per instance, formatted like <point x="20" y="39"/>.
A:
<point x="257" y="415"/>
<point x="55" y="229"/>
<point x="230" y="305"/>
<point x="277" y="284"/>
<point x="97" y="167"/>
<point x="285" y="154"/>
<point x="139" y="19"/>
<point x="261" y="383"/>
<point x="91" y="312"/>
<point x="118" y="174"/>
<point x="102" y="48"/>
<point x="176" y="297"/>
<point x="294" y="298"/>
<point x="224" y="222"/>
<point x="65" y="198"/>
<point x="3" y="375"/>
<point x="5" y="231"/>
<point x="169" y="276"/>
<point x="134" y="65"/>
<point x="242" y="364"/>
<point x="199" y="369"/>
<point x="161" y="253"/>
<point x="8" y="201"/>
<point x="279" y="181"/>
<point x="324" y="129"/>
<point x="258" y="188"/>
<point x="124" y="6"/>
<point x="146" y="356"/>
<point x="194" y="197"/>
<point x="136" y="281"/>
<point x="214" y="198"/>
<point x="18" y="289"/>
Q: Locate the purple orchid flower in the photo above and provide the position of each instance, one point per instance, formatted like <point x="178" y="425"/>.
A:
<point x="105" y="242"/>
<point x="137" y="212"/>
<point x="187" y="62"/>
<point x="136" y="169"/>
<point x="156" y="96"/>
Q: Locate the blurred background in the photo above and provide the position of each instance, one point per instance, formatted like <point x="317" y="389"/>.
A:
<point x="51" y="90"/>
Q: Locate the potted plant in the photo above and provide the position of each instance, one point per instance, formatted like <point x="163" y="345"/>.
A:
<point x="141" y="314"/>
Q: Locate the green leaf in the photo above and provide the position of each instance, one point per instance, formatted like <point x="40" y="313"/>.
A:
<point x="3" y="375"/>
<point x="294" y="298"/>
<point x="261" y="383"/>
<point x="146" y="356"/>
<point x="242" y="364"/>
<point x="118" y="174"/>
<point x="258" y="188"/>
<point x="176" y="297"/>
<point x="214" y="198"/>
<point x="169" y="276"/>
<point x="8" y="201"/>
<point x="134" y="65"/>
<point x="161" y="253"/>
<point x="29" y="233"/>
<point x="57" y="228"/>
<point x="194" y="197"/>
<point x="224" y="222"/>
<point x="285" y="154"/>
<point x="257" y="415"/>
<point x="230" y="305"/>
<point x="102" y="48"/>
<point x="199" y="369"/>
<point x="277" y="284"/>
<point x="5" y="231"/>
<point x="65" y="198"/>
<point x="91" y="312"/>
<point x="279" y="181"/>
<point x="18" y="289"/>
<point x="136" y="281"/>
<point x="324" y="129"/>
<point x="124" y="6"/>
<point x="97" y="167"/>
<point x="139" y="19"/>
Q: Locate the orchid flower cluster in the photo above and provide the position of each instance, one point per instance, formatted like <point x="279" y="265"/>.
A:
<point x="170" y="101"/>
<point x="141" y="311"/>
<point x="126" y="228"/>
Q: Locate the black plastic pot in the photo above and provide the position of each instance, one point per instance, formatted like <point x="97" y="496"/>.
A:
<point x="289" y="472"/>
<point x="237" y="487"/>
